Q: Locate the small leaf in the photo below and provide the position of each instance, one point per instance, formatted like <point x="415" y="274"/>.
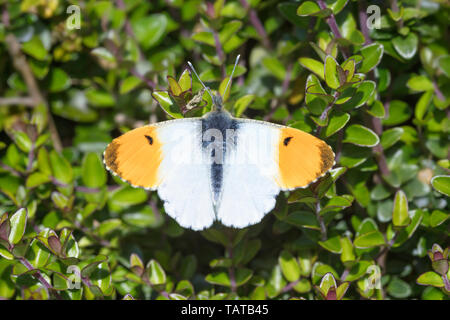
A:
<point x="332" y="244"/>
<point x="438" y="217"/>
<point x="369" y="240"/>
<point x="168" y="105"/>
<point x="406" y="47"/>
<point x="185" y="80"/>
<point x="400" y="217"/>
<point x="92" y="171"/>
<point x="18" y="223"/>
<point x="441" y="184"/>
<point x="289" y="266"/>
<point x="313" y="65"/>
<point x="361" y="136"/>
<point x="420" y="83"/>
<point x="430" y="278"/>
<point x="128" y="84"/>
<point x="156" y="273"/>
<point x="338" y="120"/>
<point x="331" y="73"/>
<point x="372" y="55"/>
<point x="310" y="8"/>
<point x="242" y="103"/>
<point x="61" y="168"/>
<point x="360" y="96"/>
<point x="391" y="136"/>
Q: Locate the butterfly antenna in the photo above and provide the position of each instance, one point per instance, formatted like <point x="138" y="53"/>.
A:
<point x="207" y="89"/>
<point x="232" y="72"/>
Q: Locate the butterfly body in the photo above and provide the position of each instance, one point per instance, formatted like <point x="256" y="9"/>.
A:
<point x="218" y="167"/>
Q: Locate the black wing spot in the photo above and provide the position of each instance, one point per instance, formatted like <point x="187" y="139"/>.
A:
<point x="287" y="140"/>
<point x="150" y="139"/>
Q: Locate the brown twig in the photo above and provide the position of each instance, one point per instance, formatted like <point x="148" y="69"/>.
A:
<point x="362" y="9"/>
<point x="257" y="24"/>
<point x="331" y="21"/>
<point x="40" y="278"/>
<point x="21" y="65"/>
<point x="11" y="101"/>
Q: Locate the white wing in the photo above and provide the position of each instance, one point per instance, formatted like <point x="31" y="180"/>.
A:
<point x="185" y="179"/>
<point x="249" y="186"/>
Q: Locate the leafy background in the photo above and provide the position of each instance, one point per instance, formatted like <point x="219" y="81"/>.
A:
<point x="379" y="97"/>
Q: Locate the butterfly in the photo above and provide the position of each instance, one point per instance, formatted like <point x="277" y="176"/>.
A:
<point x="218" y="167"/>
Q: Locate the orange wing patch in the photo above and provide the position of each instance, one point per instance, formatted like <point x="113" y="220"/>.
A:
<point x="302" y="158"/>
<point x="135" y="157"/>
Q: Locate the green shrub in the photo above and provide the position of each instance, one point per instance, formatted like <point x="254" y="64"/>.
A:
<point x="379" y="96"/>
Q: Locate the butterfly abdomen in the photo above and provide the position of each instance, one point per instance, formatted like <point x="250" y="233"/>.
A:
<point x="218" y="130"/>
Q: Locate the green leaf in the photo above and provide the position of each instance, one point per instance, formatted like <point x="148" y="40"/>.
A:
<point x="58" y="80"/>
<point x="420" y="83"/>
<point x="35" y="48"/>
<point x="92" y="171"/>
<point x="310" y="8"/>
<point x="61" y="168"/>
<point x="60" y="282"/>
<point x="36" y="179"/>
<point x="289" y="266"/>
<point x="5" y="253"/>
<point x="150" y="29"/>
<point x="167" y="104"/>
<point x="100" y="98"/>
<point x="314" y="66"/>
<point x="108" y="226"/>
<point x="331" y="73"/>
<point x="18" y="222"/>
<point x="275" y="67"/>
<point x="219" y="278"/>
<point x="22" y="140"/>
<point x="372" y="55"/>
<point x="185" y="80"/>
<point x="423" y="103"/>
<point x="242" y="103"/>
<point x="316" y="98"/>
<point x="126" y="197"/>
<point x="398" y="288"/>
<point x="370" y="239"/>
<point x="360" y="96"/>
<point x="303" y="219"/>
<point x="360" y="136"/>
<point x="391" y="136"/>
<point x="337" y="121"/>
<point x="438" y="217"/>
<point x="406" y="47"/>
<point x="348" y="252"/>
<point x="441" y="184"/>
<point x="174" y="87"/>
<point x="430" y="278"/>
<point x="399" y="112"/>
<point x="156" y="273"/>
<point x="444" y="65"/>
<point x="88" y="266"/>
<point x="128" y="84"/>
<point x="332" y="244"/>
<point x="400" y="217"/>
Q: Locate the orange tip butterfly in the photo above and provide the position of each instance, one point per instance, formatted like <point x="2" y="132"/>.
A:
<point x="218" y="167"/>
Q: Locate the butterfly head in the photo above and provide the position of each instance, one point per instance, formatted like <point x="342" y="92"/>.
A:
<point x="217" y="99"/>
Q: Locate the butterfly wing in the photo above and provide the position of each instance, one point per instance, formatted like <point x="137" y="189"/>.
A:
<point x="265" y="159"/>
<point x="167" y="156"/>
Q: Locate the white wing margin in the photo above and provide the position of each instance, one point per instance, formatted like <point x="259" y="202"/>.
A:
<point x="185" y="179"/>
<point x="249" y="179"/>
